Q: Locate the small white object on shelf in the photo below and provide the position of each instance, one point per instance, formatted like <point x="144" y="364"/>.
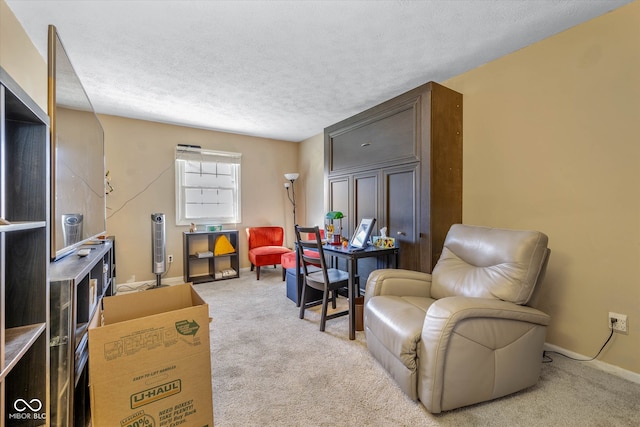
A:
<point x="205" y="254"/>
<point x="84" y="252"/>
<point x="229" y="272"/>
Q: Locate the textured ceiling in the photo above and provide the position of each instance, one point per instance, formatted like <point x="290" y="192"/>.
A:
<point x="281" y="69"/>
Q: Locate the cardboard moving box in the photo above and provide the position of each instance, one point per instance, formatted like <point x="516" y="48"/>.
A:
<point x="150" y="360"/>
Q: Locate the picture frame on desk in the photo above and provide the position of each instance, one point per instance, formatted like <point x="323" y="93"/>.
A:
<point x="361" y="237"/>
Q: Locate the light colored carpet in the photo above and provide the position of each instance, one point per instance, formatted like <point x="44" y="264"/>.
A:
<point x="269" y="368"/>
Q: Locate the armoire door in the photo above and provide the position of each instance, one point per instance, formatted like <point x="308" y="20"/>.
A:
<point x="366" y="191"/>
<point x="366" y="204"/>
<point x="338" y="199"/>
<point x="401" y="213"/>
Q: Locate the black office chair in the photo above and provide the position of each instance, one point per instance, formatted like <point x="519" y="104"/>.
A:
<point x="326" y="280"/>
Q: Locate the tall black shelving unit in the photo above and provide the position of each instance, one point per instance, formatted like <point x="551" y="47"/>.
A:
<point x="24" y="258"/>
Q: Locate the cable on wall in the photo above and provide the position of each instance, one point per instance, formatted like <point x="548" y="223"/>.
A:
<point x="151" y="183"/>
<point x="547" y="359"/>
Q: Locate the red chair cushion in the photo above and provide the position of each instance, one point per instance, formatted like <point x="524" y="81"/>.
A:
<point x="289" y="260"/>
<point x="267" y="255"/>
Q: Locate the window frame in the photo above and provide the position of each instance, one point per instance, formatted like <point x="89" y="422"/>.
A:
<point x="186" y="154"/>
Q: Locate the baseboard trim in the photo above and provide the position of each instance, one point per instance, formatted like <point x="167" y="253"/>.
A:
<point x="136" y="286"/>
<point x="606" y="367"/>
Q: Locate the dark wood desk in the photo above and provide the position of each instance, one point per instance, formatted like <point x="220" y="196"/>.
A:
<point x="351" y="256"/>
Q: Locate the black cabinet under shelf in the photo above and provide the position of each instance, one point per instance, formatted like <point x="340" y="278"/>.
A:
<point x="201" y="264"/>
<point x="78" y="285"/>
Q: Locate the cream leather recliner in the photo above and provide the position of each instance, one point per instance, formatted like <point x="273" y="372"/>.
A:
<point x="462" y="334"/>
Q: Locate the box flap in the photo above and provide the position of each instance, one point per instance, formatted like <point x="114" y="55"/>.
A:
<point x="171" y="334"/>
<point x="120" y="308"/>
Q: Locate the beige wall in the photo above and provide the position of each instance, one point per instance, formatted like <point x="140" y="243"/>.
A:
<point x="20" y="58"/>
<point x="551" y="143"/>
<point x="140" y="159"/>
<point x="311" y="163"/>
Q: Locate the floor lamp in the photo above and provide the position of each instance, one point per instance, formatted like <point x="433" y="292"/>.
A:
<point x="291" y="195"/>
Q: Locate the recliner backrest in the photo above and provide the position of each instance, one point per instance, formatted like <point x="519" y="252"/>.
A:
<point x="490" y="263"/>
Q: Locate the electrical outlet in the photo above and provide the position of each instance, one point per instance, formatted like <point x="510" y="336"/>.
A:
<point x="618" y="322"/>
<point x="170" y="258"/>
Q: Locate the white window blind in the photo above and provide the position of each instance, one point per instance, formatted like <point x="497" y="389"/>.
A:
<point x="207" y="186"/>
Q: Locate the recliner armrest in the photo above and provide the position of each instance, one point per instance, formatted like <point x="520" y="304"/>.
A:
<point x="446" y="312"/>
<point x="398" y="282"/>
<point x="492" y="344"/>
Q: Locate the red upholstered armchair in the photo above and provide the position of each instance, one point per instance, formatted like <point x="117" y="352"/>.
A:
<point x="265" y="247"/>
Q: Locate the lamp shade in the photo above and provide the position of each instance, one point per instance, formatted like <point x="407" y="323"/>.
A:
<point x="334" y="215"/>
<point x="291" y="176"/>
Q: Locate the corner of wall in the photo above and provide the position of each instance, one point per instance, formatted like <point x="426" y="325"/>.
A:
<point x="20" y="58"/>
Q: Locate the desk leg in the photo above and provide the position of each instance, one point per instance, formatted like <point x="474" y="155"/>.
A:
<point x="352" y="298"/>
<point x="298" y="280"/>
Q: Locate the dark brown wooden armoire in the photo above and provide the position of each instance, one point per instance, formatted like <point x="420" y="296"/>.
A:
<point x="401" y="163"/>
